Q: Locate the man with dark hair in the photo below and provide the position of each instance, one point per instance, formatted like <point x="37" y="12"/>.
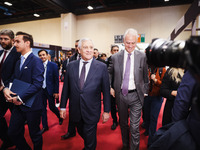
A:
<point x="50" y="88"/>
<point x="71" y="127"/>
<point x="114" y="50"/>
<point x="8" y="59"/>
<point x="76" y="56"/>
<point x="66" y="62"/>
<point x="29" y="69"/>
<point x="96" y="55"/>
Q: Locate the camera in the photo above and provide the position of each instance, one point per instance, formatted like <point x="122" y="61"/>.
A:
<point x="180" y="54"/>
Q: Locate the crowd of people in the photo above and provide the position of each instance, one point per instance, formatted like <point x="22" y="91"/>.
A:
<point x="127" y="83"/>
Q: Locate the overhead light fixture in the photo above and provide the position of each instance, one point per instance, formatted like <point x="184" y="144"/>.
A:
<point x="36" y="15"/>
<point x="90" y="7"/>
<point x="7" y="3"/>
<point x="166" y="0"/>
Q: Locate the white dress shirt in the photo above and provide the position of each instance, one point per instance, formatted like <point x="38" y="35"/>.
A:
<point x="87" y="67"/>
<point x="131" y="85"/>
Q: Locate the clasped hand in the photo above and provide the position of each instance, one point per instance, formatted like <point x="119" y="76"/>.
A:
<point x="9" y="98"/>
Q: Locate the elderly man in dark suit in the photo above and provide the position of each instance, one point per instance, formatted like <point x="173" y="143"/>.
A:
<point x="29" y="69"/>
<point x="83" y="84"/>
<point x="129" y="72"/>
<point x="8" y="59"/>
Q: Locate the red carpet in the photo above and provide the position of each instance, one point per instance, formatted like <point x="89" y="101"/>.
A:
<point x="106" y="138"/>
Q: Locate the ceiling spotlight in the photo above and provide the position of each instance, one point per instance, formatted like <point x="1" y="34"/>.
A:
<point x="90" y="7"/>
<point x="166" y="0"/>
<point x="36" y="15"/>
<point x="7" y="3"/>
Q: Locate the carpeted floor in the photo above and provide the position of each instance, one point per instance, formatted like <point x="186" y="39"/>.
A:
<point x="107" y="139"/>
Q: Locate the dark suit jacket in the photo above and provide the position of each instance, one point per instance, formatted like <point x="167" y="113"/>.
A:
<point x="64" y="65"/>
<point x="140" y="72"/>
<point x="7" y="69"/>
<point x="31" y="72"/>
<point x="86" y="103"/>
<point x="52" y="78"/>
<point x="74" y="57"/>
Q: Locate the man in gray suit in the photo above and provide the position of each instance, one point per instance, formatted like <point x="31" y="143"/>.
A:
<point x="129" y="72"/>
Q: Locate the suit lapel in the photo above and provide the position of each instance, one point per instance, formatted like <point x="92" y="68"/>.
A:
<point x="136" y="62"/>
<point x="92" y="70"/>
<point x="76" y="73"/>
<point x="1" y="52"/>
<point x="10" y="55"/>
<point x="48" y="68"/>
<point x="121" y="62"/>
<point x="24" y="66"/>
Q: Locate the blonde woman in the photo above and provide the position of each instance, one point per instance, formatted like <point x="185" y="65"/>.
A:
<point x="170" y="84"/>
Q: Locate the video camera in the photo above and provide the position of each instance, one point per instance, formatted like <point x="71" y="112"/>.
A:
<point x="180" y="54"/>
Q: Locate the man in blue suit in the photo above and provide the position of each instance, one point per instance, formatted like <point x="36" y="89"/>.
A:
<point x="8" y="59"/>
<point x="84" y="81"/>
<point x="50" y="88"/>
<point x="30" y="70"/>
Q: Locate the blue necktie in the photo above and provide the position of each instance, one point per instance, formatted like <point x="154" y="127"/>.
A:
<point x="82" y="76"/>
<point x="126" y="76"/>
<point x="45" y="72"/>
<point x="21" y="61"/>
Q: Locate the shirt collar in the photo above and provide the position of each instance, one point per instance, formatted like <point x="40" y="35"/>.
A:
<point x="89" y="61"/>
<point x="45" y="63"/>
<point x="27" y="54"/>
<point x="126" y="53"/>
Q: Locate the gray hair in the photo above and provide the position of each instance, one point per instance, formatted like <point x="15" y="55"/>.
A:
<point x="7" y="32"/>
<point x="83" y="40"/>
<point x="132" y="32"/>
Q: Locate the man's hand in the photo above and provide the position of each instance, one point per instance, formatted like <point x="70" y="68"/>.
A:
<point x="56" y="95"/>
<point x="7" y="93"/>
<point x="174" y="93"/>
<point x="15" y="101"/>
<point x="105" y="117"/>
<point x="1" y="87"/>
<point x="63" y="114"/>
<point x="112" y="92"/>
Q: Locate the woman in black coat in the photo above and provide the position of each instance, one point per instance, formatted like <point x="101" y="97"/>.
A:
<point x="170" y="84"/>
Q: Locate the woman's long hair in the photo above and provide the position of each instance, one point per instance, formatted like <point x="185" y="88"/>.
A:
<point x="176" y="74"/>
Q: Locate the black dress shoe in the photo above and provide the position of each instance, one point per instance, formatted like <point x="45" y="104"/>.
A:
<point x="114" y="126"/>
<point x="44" y="130"/>
<point x="67" y="136"/>
<point x="60" y="121"/>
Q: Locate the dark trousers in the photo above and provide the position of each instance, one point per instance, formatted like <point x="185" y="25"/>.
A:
<point x="71" y="127"/>
<point x="53" y="108"/>
<point x="152" y="105"/>
<point x="4" y="106"/>
<point x="132" y="102"/>
<point x="113" y="109"/>
<point x="167" y="113"/>
<point x="89" y="134"/>
<point x="16" y="128"/>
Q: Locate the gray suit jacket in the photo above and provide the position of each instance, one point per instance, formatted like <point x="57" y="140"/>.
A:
<point x="140" y="72"/>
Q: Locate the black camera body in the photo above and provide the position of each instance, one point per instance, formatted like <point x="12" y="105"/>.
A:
<point x="180" y="54"/>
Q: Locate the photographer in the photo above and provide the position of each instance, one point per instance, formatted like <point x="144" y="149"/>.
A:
<point x="184" y="132"/>
<point x="153" y="102"/>
<point x="170" y="84"/>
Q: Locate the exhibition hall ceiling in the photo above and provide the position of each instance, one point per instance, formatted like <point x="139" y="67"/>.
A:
<point x="24" y="10"/>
